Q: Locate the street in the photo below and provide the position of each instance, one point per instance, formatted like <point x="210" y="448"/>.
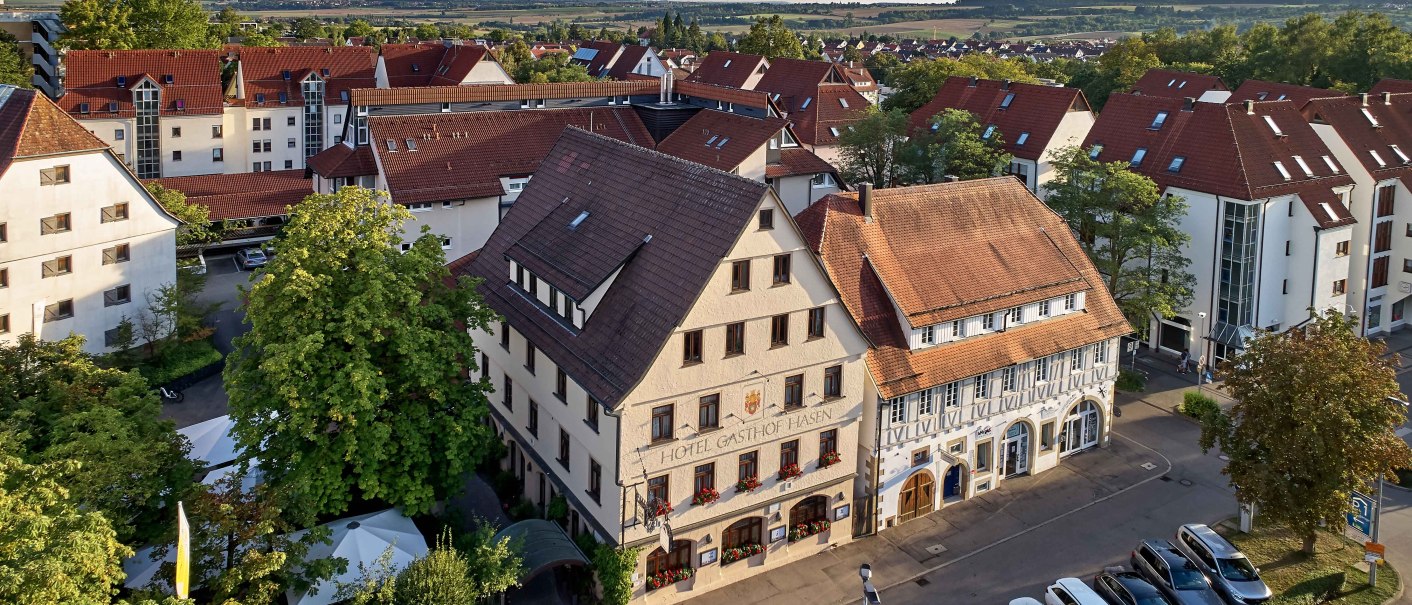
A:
<point x="207" y="399"/>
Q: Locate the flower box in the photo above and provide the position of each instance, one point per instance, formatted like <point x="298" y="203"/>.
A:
<point x="659" y="508"/>
<point x="748" y="484"/>
<point x="790" y="471"/>
<point x="669" y="577"/>
<point x="707" y="495"/>
<point x="829" y="459"/>
<point x="744" y="551"/>
<point x="804" y="530"/>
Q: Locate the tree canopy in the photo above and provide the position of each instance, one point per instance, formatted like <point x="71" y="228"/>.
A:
<point x="1313" y="421"/>
<point x="769" y="37"/>
<point x="14" y="69"/>
<point x="127" y="24"/>
<point x="352" y="381"/>
<point x="446" y="575"/>
<point x="956" y="145"/>
<point x="917" y="81"/>
<point x="872" y="149"/>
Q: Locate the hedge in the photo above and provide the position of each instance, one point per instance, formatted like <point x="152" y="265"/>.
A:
<point x="179" y="359"/>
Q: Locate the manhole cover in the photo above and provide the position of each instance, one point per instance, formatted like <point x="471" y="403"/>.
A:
<point x="936" y="549"/>
<point x="923" y="581"/>
<point x="1186" y="483"/>
<point x="1147" y="466"/>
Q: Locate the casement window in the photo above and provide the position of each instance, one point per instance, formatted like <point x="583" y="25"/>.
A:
<point x="59" y="223"/>
<point x="120" y="295"/>
<point x="1380" y="266"/>
<point x="564" y="450"/>
<point x="767" y="219"/>
<point x="1007" y="380"/>
<point x="662" y="423"/>
<point x="897" y="410"/>
<point x="691" y="347"/>
<point x="928" y="335"/>
<point x="533" y="426"/>
<point x="1041" y="370"/>
<point x="983" y="456"/>
<point x="781" y="275"/>
<point x="779" y="330"/>
<point x="1341" y="248"/>
<point x="268" y="146"/>
<point x="708" y="415"/>
<point x="114" y="213"/>
<point x="951" y="395"/>
<point x="561" y="383"/>
<point x="704" y="477"/>
<point x="828" y="442"/>
<point x="217" y="132"/>
<point x="120" y="253"/>
<point x="1100" y="353"/>
<point x="1044" y="308"/>
<point x="4" y="278"/>
<point x="176" y="132"/>
<point x="529" y="356"/>
<point x="658" y="490"/>
<point x="735" y="339"/>
<point x="988" y="321"/>
<point x="290" y="121"/>
<point x="983" y="386"/>
<point x="816" y="322"/>
<point x="590" y="413"/>
<point x="794" y="391"/>
<point x="5" y="323"/>
<point x="484" y="366"/>
<point x="789" y="453"/>
<point x="595" y="480"/>
<point x="57" y="175"/>
<point x="62" y="265"/>
<point x="176" y="156"/>
<point x="748" y="465"/>
<point x="1071" y="301"/>
<point x="1012" y="317"/>
<point x="1340" y="287"/>
<point x="925" y="404"/>
<point x="505" y="335"/>
<point x="218" y="154"/>
<point x="4" y="232"/>
<point x="1076" y="360"/>
<point x="509" y="393"/>
<point x="119" y="134"/>
<point x="289" y="143"/>
<point x="833" y="381"/>
<point x="740" y="276"/>
<point x="63" y="309"/>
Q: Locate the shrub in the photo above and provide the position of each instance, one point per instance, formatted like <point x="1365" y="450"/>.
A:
<point x="615" y="568"/>
<point x="587" y="544"/>
<point x="523" y="509"/>
<point x="1198" y="405"/>
<point x="507" y="485"/>
<point x="179" y="359"/>
<point x="1131" y="382"/>
<point x="558" y="509"/>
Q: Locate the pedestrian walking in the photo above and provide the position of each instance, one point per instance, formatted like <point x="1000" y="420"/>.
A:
<point x="1183" y="362"/>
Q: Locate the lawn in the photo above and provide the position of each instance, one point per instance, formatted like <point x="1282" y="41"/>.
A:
<point x="1336" y="574"/>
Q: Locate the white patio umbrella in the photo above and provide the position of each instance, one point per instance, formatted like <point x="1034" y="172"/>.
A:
<point x="361" y="539"/>
<point x="211" y="441"/>
<point x="141" y="569"/>
<point x="252" y="478"/>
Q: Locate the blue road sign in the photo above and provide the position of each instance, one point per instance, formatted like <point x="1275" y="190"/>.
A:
<point x="1361" y="518"/>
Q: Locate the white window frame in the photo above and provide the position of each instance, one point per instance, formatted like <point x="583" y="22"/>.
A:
<point x="897" y="410"/>
<point x="419" y="207"/>
<point x="925" y="403"/>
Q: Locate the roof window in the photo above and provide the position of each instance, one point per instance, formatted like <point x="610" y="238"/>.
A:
<point x="723" y="142"/>
<point x="1171" y="82"/>
<point x="1275" y="128"/>
<point x="1304" y="166"/>
<point x="1024" y="136"/>
<point x="391" y="145"/>
<point x="283" y="97"/>
<point x="989" y="132"/>
<point x="324" y="72"/>
<point x="1371" y="120"/>
<point x="1400" y="155"/>
<point x="1261" y="96"/>
<point x="712" y="139"/>
<point x="834" y="131"/>
<point x="1281" y="98"/>
<point x="113" y="106"/>
<point x="1330" y="162"/>
<point x="806" y="103"/>
<point x="286" y="75"/>
<point x="168" y="79"/>
<point x="1182" y="85"/>
<point x="122" y="81"/>
<point x="1176" y="165"/>
<point x="83" y="107"/>
<point x="1328" y="211"/>
<point x="259" y="97"/>
<point x="728" y="64"/>
<point x="1377" y="158"/>
<point x="181" y="105"/>
<point x="343" y="96"/>
<point x="1137" y="157"/>
<point x="843" y="102"/>
<point x="1280" y="166"/>
<point x="578" y="220"/>
<point x="1095" y="150"/>
<point x="1009" y="98"/>
<point x="1158" y="121"/>
<point x="442" y="70"/>
<point x="411" y="145"/>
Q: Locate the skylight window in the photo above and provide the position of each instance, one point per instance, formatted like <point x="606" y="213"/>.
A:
<point x="843" y="102"/>
<point x="83" y="107"/>
<point x="180" y="105"/>
<point x="1270" y="121"/>
<point x="1400" y="155"/>
<point x="1304" y="166"/>
<point x="1182" y="85"/>
<point x="712" y="139"/>
<point x="1158" y="121"/>
<point x="936" y="126"/>
<point x="1261" y="96"/>
<point x="1376" y="157"/>
<point x="1095" y="150"/>
<point x="1330" y="162"/>
<point x="168" y="79"/>
<point x="1283" y="171"/>
<point x="113" y="106"/>
<point x="1176" y="165"/>
<point x="1171" y="82"/>
<point x="834" y="131"/>
<point x="728" y="64"/>
<point x="283" y="97"/>
<point x="286" y="74"/>
<point x="989" y="132"/>
<point x="1371" y="120"/>
<point x="1281" y="98"/>
<point x="259" y="97"/>
<point x="391" y="145"/>
<point x="416" y="68"/>
<point x="578" y="220"/>
<point x="343" y="96"/>
<point x="806" y="103"/>
<point x="1137" y="157"/>
<point x="411" y="144"/>
<point x="1024" y="136"/>
<point x="723" y="142"/>
<point x="324" y="72"/>
<point x="1009" y="98"/>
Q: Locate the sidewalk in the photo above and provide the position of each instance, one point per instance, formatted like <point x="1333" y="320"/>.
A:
<point x="954" y="533"/>
<point x="1165" y="387"/>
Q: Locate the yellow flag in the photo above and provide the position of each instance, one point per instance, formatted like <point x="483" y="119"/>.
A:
<point x="183" y="556"/>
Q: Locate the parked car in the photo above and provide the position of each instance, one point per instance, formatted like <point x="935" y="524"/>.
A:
<point x="1174" y="574"/>
<point x="249" y="258"/>
<point x="1024" y="601"/>
<point x="1122" y="587"/>
<point x="1071" y="591"/>
<point x="1229" y="571"/>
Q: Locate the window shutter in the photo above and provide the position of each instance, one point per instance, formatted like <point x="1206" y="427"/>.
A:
<point x="110" y="298"/>
<point x="48" y="225"/>
<point x="51" y="268"/>
<point x="110" y="214"/>
<point x="110" y="256"/>
<point x="46" y="176"/>
<point x="51" y="312"/>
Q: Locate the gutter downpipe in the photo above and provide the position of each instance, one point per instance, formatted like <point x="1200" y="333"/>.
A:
<point x="877" y="481"/>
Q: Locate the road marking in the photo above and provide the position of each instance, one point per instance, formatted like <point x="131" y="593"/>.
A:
<point x="935" y="568"/>
<point x="1147" y="466"/>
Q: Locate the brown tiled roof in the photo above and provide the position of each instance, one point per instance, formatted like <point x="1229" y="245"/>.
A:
<point x="713" y="69"/>
<point x="344" y="160"/>
<point x="667" y="222"/>
<point x="31" y="125"/>
<point x="732" y="138"/>
<point x="92" y="76"/>
<point x="816" y="96"/>
<point x="1391" y="85"/>
<point x="244" y="195"/>
<point x="861" y="78"/>
<point x="798" y="161"/>
<point x="429" y="63"/>
<point x="1176" y="84"/>
<point x="502" y="92"/>
<point x="1393" y="111"/>
<point x="739" y="96"/>
<point x="348" y="67"/>
<point x="464" y="155"/>
<point x="950" y="251"/>
<point x="1035" y="109"/>
<point x="1260" y="90"/>
<point x="626" y="61"/>
<point x="604" y="58"/>
<point x="1226" y="151"/>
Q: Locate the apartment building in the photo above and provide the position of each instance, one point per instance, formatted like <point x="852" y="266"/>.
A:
<point x="673" y="363"/>
<point x="1268" y="211"/>
<point x="982" y="369"/>
<point x="1034" y="121"/>
<point x="1370" y="136"/>
<point x="37" y="34"/>
<point x="81" y="241"/>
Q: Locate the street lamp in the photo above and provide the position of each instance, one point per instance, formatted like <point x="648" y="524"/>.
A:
<point x="1200" y="367"/>
<point x="870" y="594"/>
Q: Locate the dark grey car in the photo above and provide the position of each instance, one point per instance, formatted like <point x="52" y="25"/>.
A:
<point x="1227" y="568"/>
<point x="1119" y="587"/>
<point x="1172" y="573"/>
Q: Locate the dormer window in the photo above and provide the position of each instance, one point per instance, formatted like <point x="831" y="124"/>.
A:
<point x="1283" y="171"/>
<point x="1158" y="121"/>
<point x="1137" y="157"/>
<point x="1176" y="165"/>
<point x="122" y="81"/>
<point x="167" y="79"/>
<point x="286" y="74"/>
<point x="1275" y="128"/>
<point x="1009" y="98"/>
<point x="1304" y="166"/>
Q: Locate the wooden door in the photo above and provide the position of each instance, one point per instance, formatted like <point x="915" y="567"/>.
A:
<point x="918" y="497"/>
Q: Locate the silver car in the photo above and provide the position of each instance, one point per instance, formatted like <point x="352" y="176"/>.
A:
<point x="1230" y="571"/>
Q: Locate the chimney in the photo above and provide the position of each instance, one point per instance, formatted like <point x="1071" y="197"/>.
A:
<point x="1249" y="107"/>
<point x="1387" y="98"/>
<point x="1363" y="97"/>
<point x="865" y="200"/>
<point x="1005" y="85"/>
<point x="1188" y="104"/>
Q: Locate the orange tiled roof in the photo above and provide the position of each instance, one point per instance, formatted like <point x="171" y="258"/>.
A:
<point x="344" y="160"/>
<point x="798" y="161"/>
<point x="244" y="195"/>
<point x="31" y="125"/>
<point x="93" y="77"/>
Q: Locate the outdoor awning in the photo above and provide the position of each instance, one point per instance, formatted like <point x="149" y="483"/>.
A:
<point x="1231" y="335"/>
<point x="543" y="545"/>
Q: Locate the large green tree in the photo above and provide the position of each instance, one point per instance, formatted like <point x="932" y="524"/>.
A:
<point x="1314" y="420"/>
<point x="13" y="67"/>
<point x="97" y="25"/>
<point x="917" y="82"/>
<point x="61" y="406"/>
<point x="170" y="24"/>
<point x="352" y="379"/>
<point x="956" y="145"/>
<point x="873" y="148"/>
<point x="53" y="549"/>
<point x="1129" y="230"/>
<point x="196" y="227"/>
<point x="553" y="67"/>
<point x="772" y="39"/>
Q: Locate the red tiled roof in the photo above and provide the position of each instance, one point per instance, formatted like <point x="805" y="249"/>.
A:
<point x="1260" y="90"/>
<point x="1391" y="85"/>
<point x="92" y="77"/>
<point x="714" y="70"/>
<point x="720" y="140"/>
<point x="861" y="78"/>
<point x="1393" y="111"/>
<point x="798" y="161"/>
<point x="1176" y="84"/>
<point x="502" y="92"/>
<point x="344" y="160"/>
<point x="1226" y="150"/>
<point x="1035" y="109"/>
<point x="626" y="62"/>
<point x="948" y="251"/>
<point x="603" y="59"/>
<point x="429" y="63"/>
<point x="262" y="69"/>
<point x="739" y="96"/>
<point x="464" y="155"/>
<point x="31" y="125"/>
<point x="816" y="96"/>
<point x="244" y="195"/>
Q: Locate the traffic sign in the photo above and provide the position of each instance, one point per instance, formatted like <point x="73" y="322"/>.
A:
<point x="1361" y="518"/>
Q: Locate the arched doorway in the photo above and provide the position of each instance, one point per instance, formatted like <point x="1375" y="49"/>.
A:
<point x="953" y="485"/>
<point x="1015" y="450"/>
<point x="661" y="564"/>
<point x="809" y="510"/>
<point x="1081" y="426"/>
<point x="918" y="496"/>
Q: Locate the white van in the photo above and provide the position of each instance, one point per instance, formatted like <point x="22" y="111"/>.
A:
<point x="1071" y="591"/>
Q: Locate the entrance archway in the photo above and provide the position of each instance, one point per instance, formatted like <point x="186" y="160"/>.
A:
<point x="953" y="485"/>
<point x="918" y="496"/>
<point x="1081" y="428"/>
<point x="1015" y="450"/>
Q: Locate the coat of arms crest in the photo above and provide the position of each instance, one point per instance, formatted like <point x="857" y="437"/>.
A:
<point x="752" y="402"/>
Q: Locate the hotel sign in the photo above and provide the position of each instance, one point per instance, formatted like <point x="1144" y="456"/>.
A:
<point x="751" y="433"/>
